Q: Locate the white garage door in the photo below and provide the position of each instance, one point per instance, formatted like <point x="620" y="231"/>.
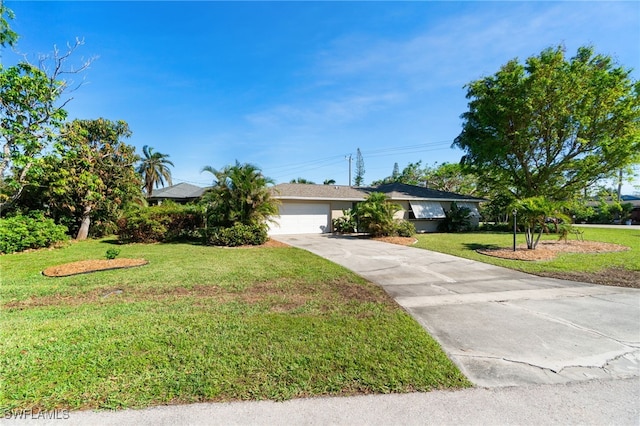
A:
<point x="301" y="218"/>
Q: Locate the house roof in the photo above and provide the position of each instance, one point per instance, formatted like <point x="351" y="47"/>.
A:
<point x="301" y="191"/>
<point x="401" y="191"/>
<point x="395" y="191"/>
<point x="179" y="191"/>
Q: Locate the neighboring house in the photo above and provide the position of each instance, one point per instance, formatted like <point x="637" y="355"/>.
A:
<point x="624" y="199"/>
<point x="310" y="209"/>
<point x="635" y="201"/>
<point x="181" y="193"/>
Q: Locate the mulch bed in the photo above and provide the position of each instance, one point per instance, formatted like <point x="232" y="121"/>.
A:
<point x="86" y="266"/>
<point x="547" y="250"/>
<point x="403" y="241"/>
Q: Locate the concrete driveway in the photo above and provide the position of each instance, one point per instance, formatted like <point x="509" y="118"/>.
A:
<point x="501" y="327"/>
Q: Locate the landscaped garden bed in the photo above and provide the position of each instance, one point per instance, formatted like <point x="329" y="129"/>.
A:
<point x="606" y="257"/>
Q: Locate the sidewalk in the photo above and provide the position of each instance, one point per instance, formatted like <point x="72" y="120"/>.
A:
<point x="584" y="403"/>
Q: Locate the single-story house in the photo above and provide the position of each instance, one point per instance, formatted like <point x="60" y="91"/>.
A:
<point x="310" y="209"/>
<point x="181" y="193"/>
<point x="635" y="202"/>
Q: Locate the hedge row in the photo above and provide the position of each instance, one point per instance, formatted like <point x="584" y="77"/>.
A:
<point x="170" y="222"/>
<point x="164" y="223"/>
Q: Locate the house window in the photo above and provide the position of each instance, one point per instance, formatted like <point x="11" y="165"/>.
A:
<point x="427" y="210"/>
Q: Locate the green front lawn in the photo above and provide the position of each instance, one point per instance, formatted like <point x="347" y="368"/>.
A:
<point x="465" y="244"/>
<point x="203" y="324"/>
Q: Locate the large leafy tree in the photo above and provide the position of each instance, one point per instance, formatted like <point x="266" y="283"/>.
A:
<point x="153" y="169"/>
<point x="92" y="175"/>
<point x="29" y="118"/>
<point x="551" y="126"/>
<point x="452" y="178"/>
<point x="239" y="194"/>
<point x="31" y="112"/>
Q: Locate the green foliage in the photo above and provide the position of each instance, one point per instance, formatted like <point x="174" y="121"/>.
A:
<point x="302" y="181"/>
<point x="534" y="213"/>
<point x="451" y="177"/>
<point x="457" y="219"/>
<point x="552" y="126"/>
<point x="496" y="227"/>
<point x="153" y="169"/>
<point x="112" y="253"/>
<point x="29" y="119"/>
<point x="412" y="174"/>
<point x="8" y="37"/>
<point x="239" y="195"/>
<point x="376" y="215"/>
<point x="236" y="235"/>
<point x="164" y="223"/>
<point x="497" y="209"/>
<point x="346" y="224"/>
<point x="92" y="177"/>
<point x="404" y="228"/>
<point x="18" y="233"/>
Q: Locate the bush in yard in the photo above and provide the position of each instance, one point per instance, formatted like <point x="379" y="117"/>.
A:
<point x="167" y="222"/>
<point x="375" y="215"/>
<point x="345" y="224"/>
<point x="457" y="219"/>
<point x="236" y="235"/>
<point x="404" y="228"/>
<point x="18" y="233"/>
<point x="112" y="253"/>
<point x="496" y="227"/>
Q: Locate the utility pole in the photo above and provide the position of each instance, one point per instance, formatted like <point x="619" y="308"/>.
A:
<point x="348" y="157"/>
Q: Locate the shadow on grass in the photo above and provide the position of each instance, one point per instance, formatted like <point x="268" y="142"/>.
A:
<point x="194" y="242"/>
<point x="476" y="246"/>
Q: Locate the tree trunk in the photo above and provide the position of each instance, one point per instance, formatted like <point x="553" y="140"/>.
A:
<point x="620" y="178"/>
<point x="83" y="232"/>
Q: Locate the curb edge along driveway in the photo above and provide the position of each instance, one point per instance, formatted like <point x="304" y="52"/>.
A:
<point x="501" y="327"/>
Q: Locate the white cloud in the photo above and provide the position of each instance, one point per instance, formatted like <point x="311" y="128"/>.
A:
<point x="324" y="111"/>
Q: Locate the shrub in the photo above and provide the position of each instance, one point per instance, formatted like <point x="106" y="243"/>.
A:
<point x="345" y="224"/>
<point x="496" y="227"/>
<point x="112" y="253"/>
<point x="164" y="223"/>
<point x="376" y="215"/>
<point x="20" y="232"/>
<point x="236" y="235"/>
<point x="458" y="219"/>
<point x="404" y="228"/>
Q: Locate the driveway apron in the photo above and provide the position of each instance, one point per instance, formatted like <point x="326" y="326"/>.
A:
<point x="501" y="327"/>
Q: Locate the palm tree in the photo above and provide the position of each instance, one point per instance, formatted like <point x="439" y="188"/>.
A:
<point x="376" y="214"/>
<point x="239" y="194"/>
<point x="153" y="169"/>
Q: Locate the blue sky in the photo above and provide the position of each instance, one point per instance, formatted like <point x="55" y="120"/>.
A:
<point x="294" y="87"/>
